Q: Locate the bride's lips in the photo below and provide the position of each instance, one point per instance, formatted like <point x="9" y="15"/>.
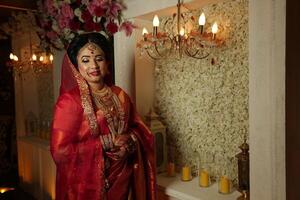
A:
<point x="95" y="73"/>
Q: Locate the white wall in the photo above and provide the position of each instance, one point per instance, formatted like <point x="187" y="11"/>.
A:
<point x="267" y="99"/>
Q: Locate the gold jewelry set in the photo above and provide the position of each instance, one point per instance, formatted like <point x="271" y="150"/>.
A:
<point x="109" y="103"/>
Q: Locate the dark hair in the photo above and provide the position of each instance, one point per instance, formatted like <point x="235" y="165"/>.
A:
<point x="80" y="40"/>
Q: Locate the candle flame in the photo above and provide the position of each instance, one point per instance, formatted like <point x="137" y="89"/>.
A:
<point x="51" y="57"/>
<point x="145" y="31"/>
<point x="41" y="58"/>
<point x="155" y="21"/>
<point x="202" y="20"/>
<point x="214" y="28"/>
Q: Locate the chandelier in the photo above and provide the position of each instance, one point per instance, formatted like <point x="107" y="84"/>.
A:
<point x="180" y="35"/>
<point x="38" y="63"/>
<point x="32" y="59"/>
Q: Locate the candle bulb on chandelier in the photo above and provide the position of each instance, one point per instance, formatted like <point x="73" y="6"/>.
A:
<point x="145" y="32"/>
<point x="11" y="56"/>
<point x="201" y="22"/>
<point x="41" y="58"/>
<point x="51" y="58"/>
<point x="34" y="57"/>
<point x="155" y="25"/>
<point x="181" y="32"/>
<point x="15" y="58"/>
<point x="214" y="30"/>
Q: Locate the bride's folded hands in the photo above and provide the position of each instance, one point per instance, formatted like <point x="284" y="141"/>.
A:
<point x="124" y="146"/>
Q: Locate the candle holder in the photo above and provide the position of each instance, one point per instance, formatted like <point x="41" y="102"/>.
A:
<point x="243" y="172"/>
<point x="225" y="173"/>
<point x="204" y="176"/>
<point x="225" y="184"/>
<point x="186" y="174"/>
<point x="171" y="169"/>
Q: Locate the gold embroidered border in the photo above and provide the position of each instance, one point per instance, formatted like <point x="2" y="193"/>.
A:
<point x="86" y="100"/>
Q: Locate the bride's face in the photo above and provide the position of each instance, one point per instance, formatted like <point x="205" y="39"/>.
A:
<point x="92" y="64"/>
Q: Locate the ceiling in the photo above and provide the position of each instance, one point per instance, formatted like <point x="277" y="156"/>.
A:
<point x="14" y="4"/>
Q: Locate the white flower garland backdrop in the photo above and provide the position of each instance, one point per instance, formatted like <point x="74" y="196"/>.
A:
<point x="205" y="106"/>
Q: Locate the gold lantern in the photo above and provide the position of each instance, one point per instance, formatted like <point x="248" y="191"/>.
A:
<point x="243" y="172"/>
<point x="159" y="131"/>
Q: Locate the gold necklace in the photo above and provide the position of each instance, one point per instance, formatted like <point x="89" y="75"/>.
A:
<point x="114" y="114"/>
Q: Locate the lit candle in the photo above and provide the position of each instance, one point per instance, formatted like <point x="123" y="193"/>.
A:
<point x="186" y="173"/>
<point x="145" y="32"/>
<point x="34" y="57"/>
<point x="155" y="24"/>
<point x="171" y="169"/>
<point x="224" y="185"/>
<point x="11" y="56"/>
<point x="181" y="32"/>
<point x="204" y="178"/>
<point x="201" y="22"/>
<point x="15" y="58"/>
<point x="41" y="58"/>
<point x="214" y="30"/>
<point x="51" y="58"/>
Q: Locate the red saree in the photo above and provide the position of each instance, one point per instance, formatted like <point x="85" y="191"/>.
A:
<point x="80" y="158"/>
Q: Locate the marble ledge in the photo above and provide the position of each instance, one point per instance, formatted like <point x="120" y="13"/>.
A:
<point x="175" y="188"/>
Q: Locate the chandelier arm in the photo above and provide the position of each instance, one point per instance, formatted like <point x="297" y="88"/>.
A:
<point x="157" y="51"/>
<point x="152" y="57"/>
<point x="194" y="55"/>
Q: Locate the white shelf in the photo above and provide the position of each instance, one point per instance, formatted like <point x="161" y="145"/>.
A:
<point x="190" y="190"/>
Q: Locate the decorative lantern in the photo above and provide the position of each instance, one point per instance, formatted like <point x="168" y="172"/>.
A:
<point x="243" y="172"/>
<point x="159" y="131"/>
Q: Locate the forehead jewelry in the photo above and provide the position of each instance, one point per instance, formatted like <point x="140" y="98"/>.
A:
<point x="92" y="47"/>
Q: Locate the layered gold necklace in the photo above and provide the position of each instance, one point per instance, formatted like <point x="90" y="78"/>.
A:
<point x="109" y="103"/>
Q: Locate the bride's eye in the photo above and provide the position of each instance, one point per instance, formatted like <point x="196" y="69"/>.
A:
<point x="99" y="58"/>
<point x="85" y="60"/>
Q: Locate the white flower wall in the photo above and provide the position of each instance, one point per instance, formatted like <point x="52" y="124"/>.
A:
<point x="205" y="105"/>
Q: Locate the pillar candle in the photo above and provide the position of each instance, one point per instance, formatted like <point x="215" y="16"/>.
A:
<point x="224" y="185"/>
<point x="186" y="173"/>
<point x="204" y="178"/>
<point x="171" y="169"/>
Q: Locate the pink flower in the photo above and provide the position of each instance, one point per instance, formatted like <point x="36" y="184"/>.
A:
<point x="52" y="35"/>
<point x="74" y="25"/>
<point x="99" y="11"/>
<point x="89" y="26"/>
<point x="67" y="11"/>
<point x="128" y="27"/>
<point x="86" y="15"/>
<point x="93" y="5"/>
<point x="50" y="8"/>
<point x="112" y="27"/>
<point x="63" y="22"/>
<point x="113" y="8"/>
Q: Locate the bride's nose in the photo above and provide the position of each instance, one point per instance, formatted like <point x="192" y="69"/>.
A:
<point x="95" y="64"/>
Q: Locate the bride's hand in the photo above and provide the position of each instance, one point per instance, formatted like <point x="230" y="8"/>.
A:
<point x="124" y="146"/>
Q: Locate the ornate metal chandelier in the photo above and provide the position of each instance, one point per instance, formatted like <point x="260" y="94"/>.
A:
<point x="180" y="35"/>
<point x="32" y="58"/>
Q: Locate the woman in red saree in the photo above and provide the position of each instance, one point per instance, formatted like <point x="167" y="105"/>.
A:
<point x="102" y="149"/>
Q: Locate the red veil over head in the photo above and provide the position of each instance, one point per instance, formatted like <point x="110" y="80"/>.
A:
<point x="71" y="79"/>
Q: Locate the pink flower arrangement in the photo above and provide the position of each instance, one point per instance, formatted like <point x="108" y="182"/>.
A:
<point x="61" y="20"/>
